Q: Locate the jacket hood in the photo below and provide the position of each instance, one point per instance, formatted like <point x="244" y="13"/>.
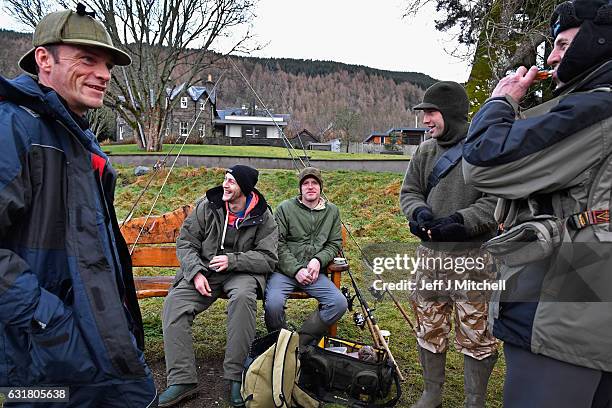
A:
<point x="319" y="207"/>
<point x="455" y="129"/>
<point x="215" y="195"/>
<point x="24" y="90"/>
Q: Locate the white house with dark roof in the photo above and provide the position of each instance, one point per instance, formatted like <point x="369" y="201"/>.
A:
<point x="195" y="115"/>
<point x="250" y="126"/>
<point x="191" y="116"/>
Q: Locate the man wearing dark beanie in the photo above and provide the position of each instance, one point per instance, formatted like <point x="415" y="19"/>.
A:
<point x="442" y="209"/>
<point x="550" y="166"/>
<point x="227" y="245"/>
<point x="245" y="176"/>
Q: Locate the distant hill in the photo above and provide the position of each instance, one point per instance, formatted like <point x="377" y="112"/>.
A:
<point x="12" y="46"/>
<point x="313" y="92"/>
<point x="312" y="68"/>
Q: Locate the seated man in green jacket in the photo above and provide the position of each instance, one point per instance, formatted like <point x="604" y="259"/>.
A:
<point x="309" y="238"/>
<point x="226" y="245"/>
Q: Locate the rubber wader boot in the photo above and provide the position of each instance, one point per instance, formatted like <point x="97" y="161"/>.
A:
<point x="176" y="393"/>
<point x="312" y="330"/>
<point x="235" y="397"/>
<point x="476" y="375"/>
<point x="433" y="376"/>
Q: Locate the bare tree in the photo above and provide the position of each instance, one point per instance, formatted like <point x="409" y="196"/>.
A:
<point x="347" y="122"/>
<point x="495" y="35"/>
<point x="101" y="122"/>
<point x="169" y="41"/>
<point x="29" y="12"/>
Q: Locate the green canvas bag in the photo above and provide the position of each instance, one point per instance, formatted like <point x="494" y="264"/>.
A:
<point x="271" y="373"/>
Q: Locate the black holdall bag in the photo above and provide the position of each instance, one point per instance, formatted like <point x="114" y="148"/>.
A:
<point x="345" y="379"/>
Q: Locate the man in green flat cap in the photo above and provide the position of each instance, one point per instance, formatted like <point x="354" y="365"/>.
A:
<point x="68" y="310"/>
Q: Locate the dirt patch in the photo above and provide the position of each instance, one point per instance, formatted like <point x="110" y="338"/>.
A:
<point x="214" y="388"/>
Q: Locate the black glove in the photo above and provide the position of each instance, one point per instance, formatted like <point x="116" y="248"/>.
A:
<point x="415" y="229"/>
<point x="422" y="215"/>
<point x="455" y="218"/>
<point x="454" y="232"/>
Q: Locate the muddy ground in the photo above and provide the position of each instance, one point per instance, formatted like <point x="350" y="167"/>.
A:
<point x="213" y="388"/>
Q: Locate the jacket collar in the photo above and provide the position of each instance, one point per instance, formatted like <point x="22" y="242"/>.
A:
<point x="215" y="194"/>
<point x="599" y="76"/>
<point x="320" y="206"/>
<point x="25" y="91"/>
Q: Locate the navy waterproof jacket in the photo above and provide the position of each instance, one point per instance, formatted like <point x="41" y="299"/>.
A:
<point x="68" y="308"/>
<point x="553" y="161"/>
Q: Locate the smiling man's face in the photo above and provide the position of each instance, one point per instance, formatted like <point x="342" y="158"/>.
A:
<point x="78" y="74"/>
<point x="231" y="189"/>
<point x="311" y="190"/>
<point x="434" y="120"/>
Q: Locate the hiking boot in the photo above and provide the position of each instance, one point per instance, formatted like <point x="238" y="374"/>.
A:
<point x="235" y="396"/>
<point x="476" y="375"/>
<point x="312" y="330"/>
<point x="176" y="393"/>
<point x="433" y="377"/>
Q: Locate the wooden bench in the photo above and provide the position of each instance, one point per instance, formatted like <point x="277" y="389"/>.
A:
<point x="156" y="248"/>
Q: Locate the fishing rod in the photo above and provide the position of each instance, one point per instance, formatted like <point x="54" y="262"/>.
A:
<point x="186" y="137"/>
<point x="379" y="294"/>
<point x="370" y="319"/>
<point x="160" y="164"/>
<point x="284" y="138"/>
<point x="368" y="315"/>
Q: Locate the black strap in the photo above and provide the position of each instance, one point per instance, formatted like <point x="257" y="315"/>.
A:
<point x="348" y="401"/>
<point x="444" y="165"/>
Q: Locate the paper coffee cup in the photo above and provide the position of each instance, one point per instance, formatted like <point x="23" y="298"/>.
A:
<point x="386" y="334"/>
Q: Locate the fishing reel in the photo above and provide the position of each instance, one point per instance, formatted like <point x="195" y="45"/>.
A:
<point x="377" y="294"/>
<point x="359" y="319"/>
<point x="349" y="299"/>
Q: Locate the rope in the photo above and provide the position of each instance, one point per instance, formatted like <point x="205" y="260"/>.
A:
<point x="284" y="138"/>
<point x="195" y="119"/>
<point x="290" y="147"/>
<point x="156" y="168"/>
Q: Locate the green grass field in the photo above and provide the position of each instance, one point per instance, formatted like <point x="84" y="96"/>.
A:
<point x="369" y="206"/>
<point x="253" y="151"/>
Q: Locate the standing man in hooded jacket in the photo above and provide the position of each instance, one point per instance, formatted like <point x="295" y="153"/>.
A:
<point x="228" y="244"/>
<point x="68" y="310"/>
<point x="441" y="213"/>
<point x="551" y="166"/>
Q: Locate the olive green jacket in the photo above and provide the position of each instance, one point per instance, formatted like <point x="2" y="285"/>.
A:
<point x="304" y="234"/>
<point x="254" y="246"/>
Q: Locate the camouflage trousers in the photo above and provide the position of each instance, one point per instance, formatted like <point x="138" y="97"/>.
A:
<point x="436" y="298"/>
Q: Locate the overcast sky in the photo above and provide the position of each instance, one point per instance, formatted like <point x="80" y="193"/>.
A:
<point x="370" y="33"/>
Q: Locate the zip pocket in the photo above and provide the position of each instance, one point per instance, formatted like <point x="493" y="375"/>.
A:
<point x="527" y="242"/>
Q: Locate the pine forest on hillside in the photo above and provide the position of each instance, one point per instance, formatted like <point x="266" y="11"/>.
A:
<point x="317" y="94"/>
